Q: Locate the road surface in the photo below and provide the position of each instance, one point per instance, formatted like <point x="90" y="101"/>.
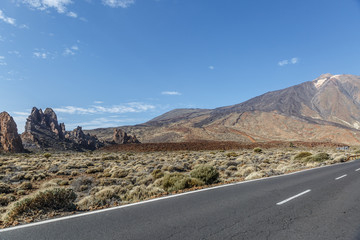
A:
<point x="322" y="203"/>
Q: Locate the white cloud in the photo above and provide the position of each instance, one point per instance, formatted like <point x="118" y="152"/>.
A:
<point x="41" y="54"/>
<point x="98" y="102"/>
<point x="17" y="53"/>
<point x="72" y="14"/>
<point x="71" y="51"/>
<point x="2" y="61"/>
<point x="118" y="3"/>
<point x="24" y="26"/>
<point x="8" y="20"/>
<point x="170" y="93"/>
<point x="211" y="67"/>
<point x="294" y="60"/>
<point x="59" y="5"/>
<point x="133" y="107"/>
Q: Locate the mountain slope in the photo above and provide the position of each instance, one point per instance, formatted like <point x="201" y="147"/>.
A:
<point x="325" y="109"/>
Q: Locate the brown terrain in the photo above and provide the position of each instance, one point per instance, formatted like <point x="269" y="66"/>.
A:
<point x="326" y="109"/>
<point x="213" y="145"/>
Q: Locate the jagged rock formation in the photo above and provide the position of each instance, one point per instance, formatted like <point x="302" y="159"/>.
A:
<point x="121" y="137"/>
<point x="326" y="109"/>
<point x="83" y="140"/>
<point x="10" y="140"/>
<point x="42" y="131"/>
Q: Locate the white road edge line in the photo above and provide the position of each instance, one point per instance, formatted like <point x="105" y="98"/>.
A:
<point x="161" y="198"/>
<point x="357" y="170"/>
<point x="291" y="198"/>
<point x="341" y="177"/>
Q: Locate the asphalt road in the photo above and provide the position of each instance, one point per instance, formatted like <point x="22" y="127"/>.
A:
<point x="322" y="203"/>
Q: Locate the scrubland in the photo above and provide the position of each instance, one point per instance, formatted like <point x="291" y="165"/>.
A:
<point x="45" y="185"/>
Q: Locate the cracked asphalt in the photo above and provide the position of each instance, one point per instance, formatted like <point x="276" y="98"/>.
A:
<point x="331" y="210"/>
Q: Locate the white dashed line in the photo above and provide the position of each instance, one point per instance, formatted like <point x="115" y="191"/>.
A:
<point x="291" y="198"/>
<point x="357" y="170"/>
<point x="341" y="177"/>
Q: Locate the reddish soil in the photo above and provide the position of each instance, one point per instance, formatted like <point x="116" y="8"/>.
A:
<point x="209" y="145"/>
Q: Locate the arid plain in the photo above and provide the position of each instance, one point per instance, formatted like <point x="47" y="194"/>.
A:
<point x="36" y="186"/>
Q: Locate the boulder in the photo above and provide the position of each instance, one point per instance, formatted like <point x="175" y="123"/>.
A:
<point x="10" y="140"/>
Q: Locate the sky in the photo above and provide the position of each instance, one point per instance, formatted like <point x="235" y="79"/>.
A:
<point x="108" y="63"/>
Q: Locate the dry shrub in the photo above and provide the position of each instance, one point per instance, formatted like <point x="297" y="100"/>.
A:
<point x="302" y="155"/>
<point x="105" y="197"/>
<point x="206" y="173"/>
<point x="26" y="186"/>
<point x="5" y="188"/>
<point x="54" y="199"/>
<point x="157" y="173"/>
<point x="320" y="157"/>
<point x="94" y="170"/>
<point x="82" y="183"/>
<point x="257" y="150"/>
<point x="177" y="181"/>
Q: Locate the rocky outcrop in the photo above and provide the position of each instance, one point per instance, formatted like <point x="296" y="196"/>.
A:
<point x="42" y="131"/>
<point x="85" y="141"/>
<point x="10" y="140"/>
<point x="121" y="137"/>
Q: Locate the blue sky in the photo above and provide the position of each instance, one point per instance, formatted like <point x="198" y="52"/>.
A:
<point x="102" y="63"/>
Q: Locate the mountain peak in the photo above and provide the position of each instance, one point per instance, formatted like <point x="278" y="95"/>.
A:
<point x="318" y="82"/>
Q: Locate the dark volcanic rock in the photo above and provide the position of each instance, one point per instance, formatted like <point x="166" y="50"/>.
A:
<point x="42" y="131"/>
<point x="121" y="137"/>
<point x="10" y="140"/>
<point x="85" y="141"/>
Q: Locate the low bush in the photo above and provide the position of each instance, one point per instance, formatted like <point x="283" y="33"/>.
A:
<point x="4" y="188"/>
<point x="206" y="173"/>
<point x="157" y="173"/>
<point x="232" y="154"/>
<point x="257" y="150"/>
<point x="177" y="181"/>
<point x="320" y="157"/>
<point x="54" y="199"/>
<point x="26" y="186"/>
<point x="302" y="155"/>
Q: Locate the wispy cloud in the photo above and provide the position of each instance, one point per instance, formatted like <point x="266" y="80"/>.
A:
<point x="118" y="3"/>
<point x="294" y="60"/>
<point x="133" y="107"/>
<point x="72" y="14"/>
<point x="6" y="19"/>
<point x="16" y="53"/>
<point x="170" y="93"/>
<point x="98" y="102"/>
<point x="211" y="67"/>
<point x="103" y="123"/>
<point x="2" y="61"/>
<point x="71" y="51"/>
<point x="59" y="5"/>
<point x="41" y="54"/>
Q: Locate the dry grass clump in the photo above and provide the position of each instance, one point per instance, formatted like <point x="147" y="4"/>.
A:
<point x="54" y="199"/>
<point x="320" y="157"/>
<point x="302" y="155"/>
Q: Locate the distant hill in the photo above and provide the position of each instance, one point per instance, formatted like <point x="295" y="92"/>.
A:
<point x="326" y="109"/>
